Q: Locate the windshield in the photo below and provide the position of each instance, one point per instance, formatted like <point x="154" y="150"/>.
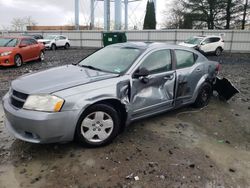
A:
<point x="112" y="59"/>
<point x="194" y="40"/>
<point x="8" y="42"/>
<point x="50" y="37"/>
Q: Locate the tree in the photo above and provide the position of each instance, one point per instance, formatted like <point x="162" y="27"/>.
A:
<point x="19" y="24"/>
<point x="175" y="17"/>
<point x="210" y="11"/>
<point x="150" y="19"/>
<point x="244" y="15"/>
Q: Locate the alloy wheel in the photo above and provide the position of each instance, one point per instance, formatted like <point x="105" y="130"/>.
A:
<point x="97" y="127"/>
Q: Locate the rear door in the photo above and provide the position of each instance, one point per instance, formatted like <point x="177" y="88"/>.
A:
<point x="34" y="49"/>
<point x="26" y="50"/>
<point x="188" y="75"/>
<point x="157" y="93"/>
<point x="210" y="44"/>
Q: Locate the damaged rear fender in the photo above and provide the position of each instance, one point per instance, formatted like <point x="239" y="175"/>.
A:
<point x="225" y="89"/>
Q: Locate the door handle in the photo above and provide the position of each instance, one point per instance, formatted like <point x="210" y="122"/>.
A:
<point x="169" y="77"/>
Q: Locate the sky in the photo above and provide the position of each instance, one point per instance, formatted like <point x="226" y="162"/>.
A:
<point x="61" y="12"/>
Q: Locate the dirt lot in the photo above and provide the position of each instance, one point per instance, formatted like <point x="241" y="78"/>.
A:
<point x="207" y="147"/>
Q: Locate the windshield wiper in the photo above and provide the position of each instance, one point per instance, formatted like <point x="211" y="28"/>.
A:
<point x="7" y="43"/>
<point x="90" y="67"/>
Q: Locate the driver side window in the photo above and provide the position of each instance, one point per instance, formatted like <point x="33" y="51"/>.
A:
<point x="158" y="62"/>
<point x="25" y="42"/>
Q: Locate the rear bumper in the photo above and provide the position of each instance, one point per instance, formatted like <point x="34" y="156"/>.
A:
<point x="39" y="127"/>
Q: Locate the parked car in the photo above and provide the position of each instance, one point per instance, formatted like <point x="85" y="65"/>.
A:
<point x="35" y="36"/>
<point x="206" y="44"/>
<point x="96" y="98"/>
<point x="14" y="51"/>
<point x="55" y="41"/>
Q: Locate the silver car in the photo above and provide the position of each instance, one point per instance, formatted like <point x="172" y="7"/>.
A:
<point x="95" y="99"/>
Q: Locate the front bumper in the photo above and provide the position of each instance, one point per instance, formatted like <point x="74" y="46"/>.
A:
<point x="7" y="61"/>
<point x="39" y="127"/>
<point x="47" y="46"/>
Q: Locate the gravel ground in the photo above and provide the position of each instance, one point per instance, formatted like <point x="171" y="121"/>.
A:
<point x="207" y="148"/>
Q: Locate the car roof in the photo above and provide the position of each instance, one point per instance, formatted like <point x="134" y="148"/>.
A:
<point x="207" y="36"/>
<point x="150" y="45"/>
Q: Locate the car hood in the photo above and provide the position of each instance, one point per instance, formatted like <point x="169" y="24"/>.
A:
<point x="43" y="40"/>
<point x="188" y="45"/>
<point x="6" y="49"/>
<point x="56" y="79"/>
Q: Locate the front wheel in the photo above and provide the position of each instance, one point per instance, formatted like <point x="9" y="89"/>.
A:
<point x="18" y="61"/>
<point x="98" y="126"/>
<point x="203" y="96"/>
<point x="53" y="47"/>
<point x="66" y="46"/>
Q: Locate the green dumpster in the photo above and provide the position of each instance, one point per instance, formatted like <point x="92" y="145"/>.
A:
<point x="113" y="38"/>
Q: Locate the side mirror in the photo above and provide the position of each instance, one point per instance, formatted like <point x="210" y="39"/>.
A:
<point x="141" y="72"/>
<point x="23" y="45"/>
<point x="202" y="43"/>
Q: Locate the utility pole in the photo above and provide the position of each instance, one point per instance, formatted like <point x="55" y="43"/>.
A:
<point x="118" y="14"/>
<point x="77" y="26"/>
<point x="107" y="15"/>
<point x="92" y="16"/>
<point x="126" y="14"/>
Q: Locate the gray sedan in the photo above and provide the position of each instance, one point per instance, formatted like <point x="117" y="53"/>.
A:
<point x="95" y="99"/>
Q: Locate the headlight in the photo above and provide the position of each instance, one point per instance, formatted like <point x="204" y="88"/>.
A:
<point x="45" y="103"/>
<point x="5" y="53"/>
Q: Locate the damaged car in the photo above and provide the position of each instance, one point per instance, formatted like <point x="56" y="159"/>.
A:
<point x="94" y="100"/>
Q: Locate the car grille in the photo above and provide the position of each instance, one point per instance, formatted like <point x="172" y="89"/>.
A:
<point x="18" y="99"/>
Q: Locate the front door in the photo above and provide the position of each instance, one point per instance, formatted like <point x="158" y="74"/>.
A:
<point x="155" y="93"/>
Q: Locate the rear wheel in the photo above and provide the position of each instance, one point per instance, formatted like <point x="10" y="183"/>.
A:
<point x="18" y="61"/>
<point x="218" y="51"/>
<point x="42" y="56"/>
<point x="98" y="126"/>
<point x="203" y="96"/>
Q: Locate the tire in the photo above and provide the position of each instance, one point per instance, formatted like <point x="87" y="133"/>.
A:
<point x="98" y="126"/>
<point x="41" y="56"/>
<point x="218" y="51"/>
<point x="53" y="47"/>
<point x="66" y="46"/>
<point x="18" y="61"/>
<point x="204" y="95"/>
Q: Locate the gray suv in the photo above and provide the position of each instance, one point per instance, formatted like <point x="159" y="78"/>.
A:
<point x="95" y="99"/>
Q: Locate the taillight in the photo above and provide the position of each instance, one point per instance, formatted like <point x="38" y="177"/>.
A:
<point x="222" y="41"/>
<point x="218" y="67"/>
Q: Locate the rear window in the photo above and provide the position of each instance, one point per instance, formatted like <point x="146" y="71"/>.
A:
<point x="215" y="39"/>
<point x="184" y="59"/>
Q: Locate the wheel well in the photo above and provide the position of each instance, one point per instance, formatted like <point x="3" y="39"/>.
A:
<point x="220" y="48"/>
<point x="119" y="107"/>
<point x="19" y="55"/>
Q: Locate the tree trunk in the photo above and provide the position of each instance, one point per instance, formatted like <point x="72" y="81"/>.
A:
<point x="244" y="15"/>
<point x="228" y="14"/>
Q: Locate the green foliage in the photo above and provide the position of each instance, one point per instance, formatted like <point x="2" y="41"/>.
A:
<point x="150" y="18"/>
<point x="211" y="14"/>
